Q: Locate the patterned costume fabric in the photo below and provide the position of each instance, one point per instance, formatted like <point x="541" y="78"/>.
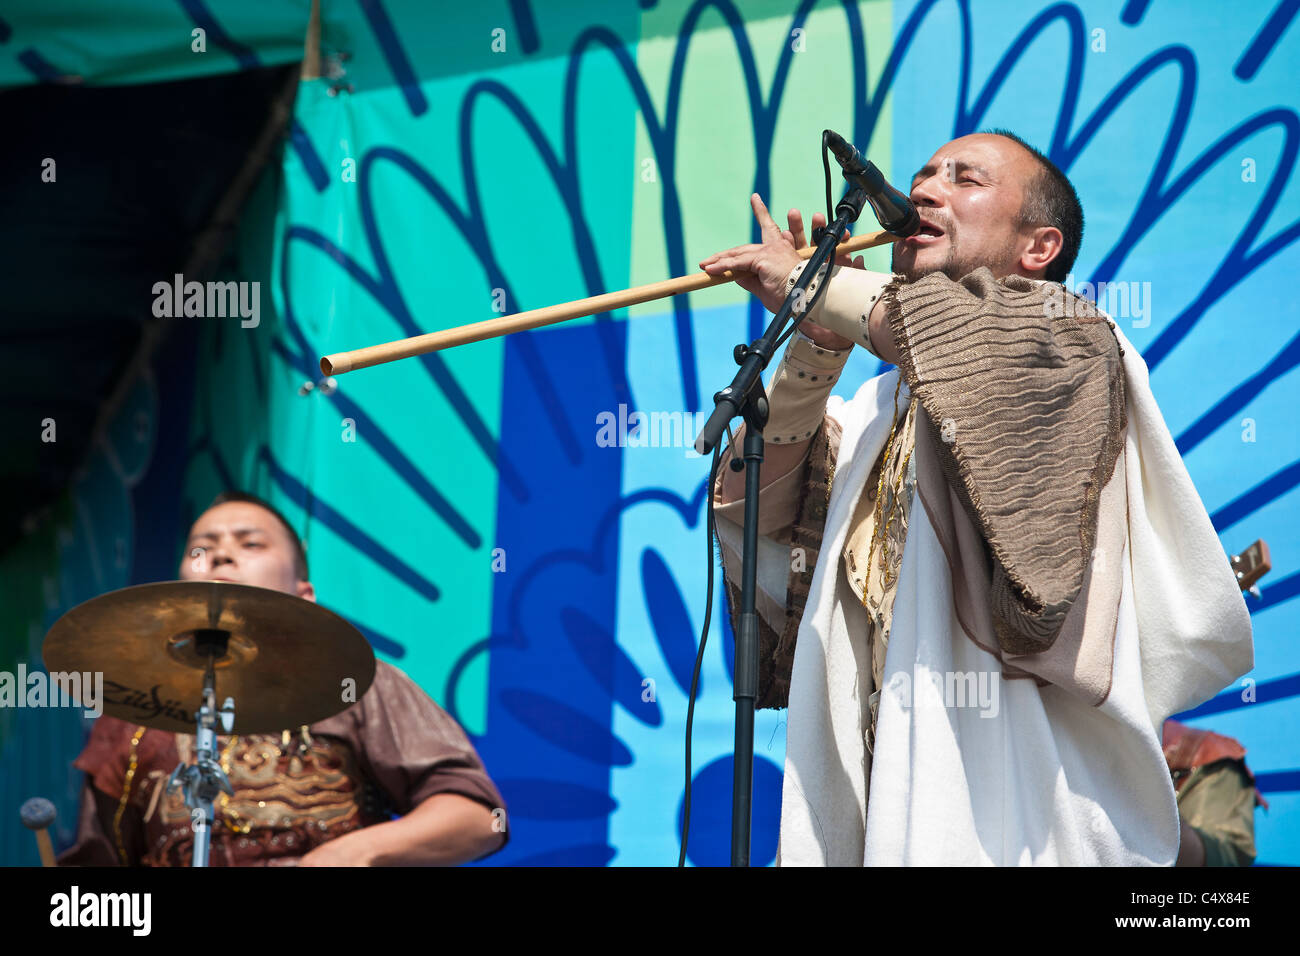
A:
<point x="293" y="791"/>
<point x="872" y="554"/>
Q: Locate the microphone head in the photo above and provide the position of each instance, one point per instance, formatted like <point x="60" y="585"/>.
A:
<point x="845" y="153"/>
<point x="37" y="813"/>
<point x="895" y="212"/>
<point x="907" y="223"/>
<point x="837" y="143"/>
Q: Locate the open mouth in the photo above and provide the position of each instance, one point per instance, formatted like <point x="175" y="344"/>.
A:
<point x="927" y="234"/>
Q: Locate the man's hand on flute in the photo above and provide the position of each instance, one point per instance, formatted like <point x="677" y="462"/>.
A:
<point x="762" y="268"/>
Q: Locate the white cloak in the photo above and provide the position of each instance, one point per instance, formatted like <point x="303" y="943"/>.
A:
<point x="1069" y="773"/>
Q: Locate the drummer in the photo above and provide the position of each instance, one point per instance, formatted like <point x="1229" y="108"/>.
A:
<point x="319" y="795"/>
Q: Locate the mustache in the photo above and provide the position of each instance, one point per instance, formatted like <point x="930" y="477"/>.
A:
<point x="939" y="222"/>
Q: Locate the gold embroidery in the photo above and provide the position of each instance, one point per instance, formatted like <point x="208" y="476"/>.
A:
<point x="312" y="780"/>
<point x="229" y="815"/>
<point x="879" y="578"/>
<point x="893" y="505"/>
<point x="132" y="763"/>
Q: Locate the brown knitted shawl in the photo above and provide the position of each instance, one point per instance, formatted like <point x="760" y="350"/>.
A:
<point x="1027" y="402"/>
<point x="1024" y="392"/>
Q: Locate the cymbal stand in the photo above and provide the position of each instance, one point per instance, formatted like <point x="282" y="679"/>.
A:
<point x="202" y="780"/>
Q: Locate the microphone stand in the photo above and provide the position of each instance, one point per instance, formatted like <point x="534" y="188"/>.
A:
<point x="746" y="397"/>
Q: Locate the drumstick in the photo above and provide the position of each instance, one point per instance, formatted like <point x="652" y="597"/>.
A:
<point x="38" y="814"/>
<point x="341" y="362"/>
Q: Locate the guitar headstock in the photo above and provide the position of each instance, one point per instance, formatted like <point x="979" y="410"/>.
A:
<point x="1251" y="565"/>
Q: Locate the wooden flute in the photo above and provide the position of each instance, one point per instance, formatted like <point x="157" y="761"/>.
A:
<point x="341" y="362"/>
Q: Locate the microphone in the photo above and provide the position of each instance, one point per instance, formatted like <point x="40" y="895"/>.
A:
<point x="894" y="210"/>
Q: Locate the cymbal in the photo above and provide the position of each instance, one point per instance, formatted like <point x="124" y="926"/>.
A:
<point x="286" y="662"/>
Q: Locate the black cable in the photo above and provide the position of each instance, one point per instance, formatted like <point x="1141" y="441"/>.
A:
<point x="826" y="168"/>
<point x="699" y="658"/>
<point x="821" y="290"/>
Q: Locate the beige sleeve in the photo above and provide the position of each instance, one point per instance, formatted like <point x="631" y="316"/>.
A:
<point x="800" y="387"/>
<point x="845" y="307"/>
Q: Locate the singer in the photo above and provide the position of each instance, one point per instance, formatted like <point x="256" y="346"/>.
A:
<point x="986" y="579"/>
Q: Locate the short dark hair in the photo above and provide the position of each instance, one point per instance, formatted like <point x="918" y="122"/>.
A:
<point x="1050" y="200"/>
<point x="299" y="552"/>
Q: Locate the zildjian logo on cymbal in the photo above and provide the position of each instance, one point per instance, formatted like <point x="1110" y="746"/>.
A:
<point x="147" y="703"/>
